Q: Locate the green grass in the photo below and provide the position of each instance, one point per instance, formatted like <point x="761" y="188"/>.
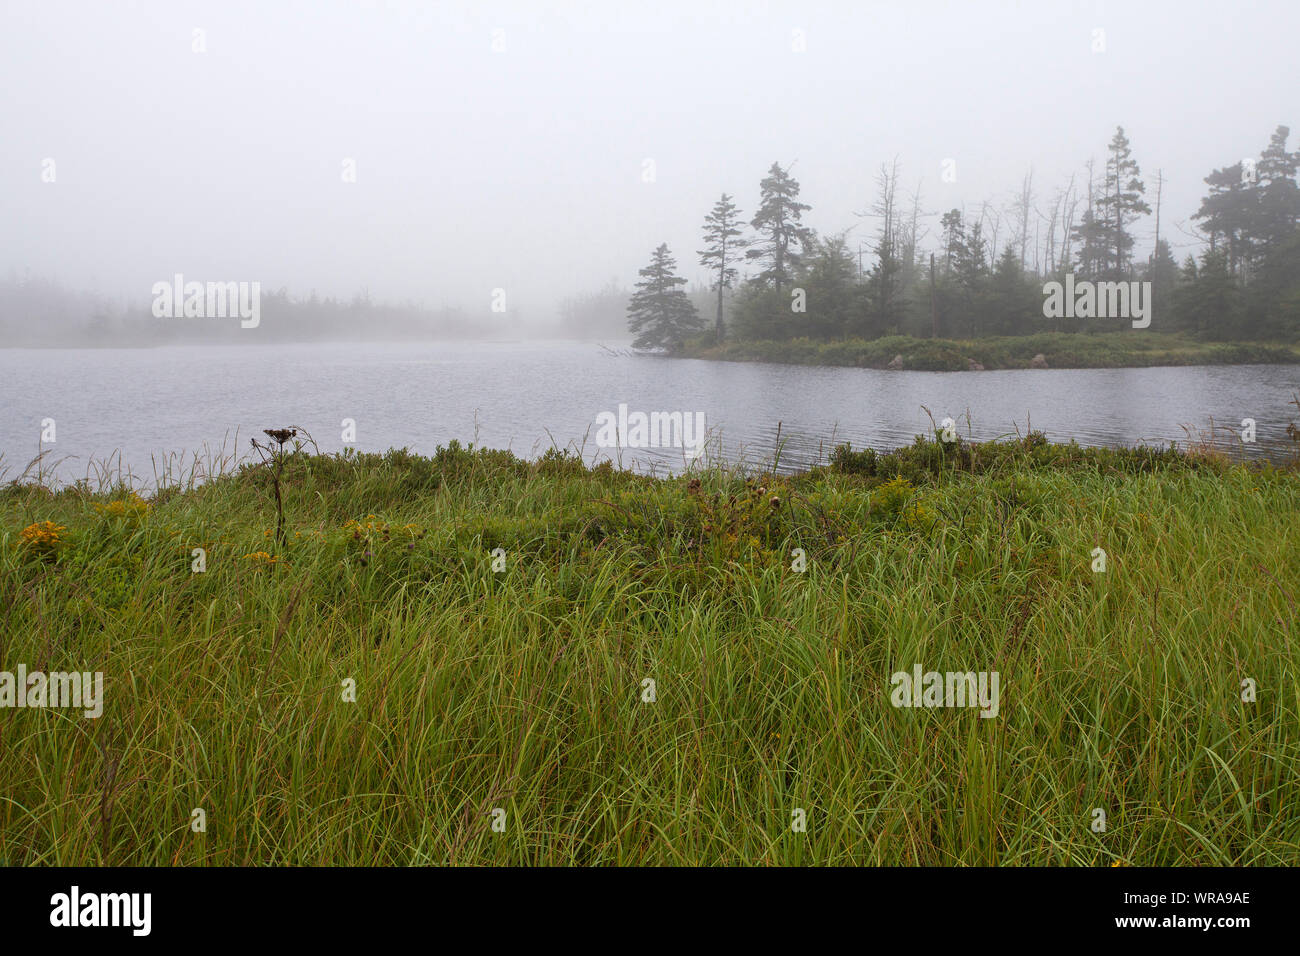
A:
<point x="1128" y="349"/>
<point x="522" y="690"/>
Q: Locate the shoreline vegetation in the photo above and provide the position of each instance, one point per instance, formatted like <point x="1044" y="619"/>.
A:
<point x="979" y="298"/>
<point x="470" y="658"/>
<point x="1052" y="350"/>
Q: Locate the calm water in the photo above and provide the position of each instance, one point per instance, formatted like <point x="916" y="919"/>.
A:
<point x="140" y="404"/>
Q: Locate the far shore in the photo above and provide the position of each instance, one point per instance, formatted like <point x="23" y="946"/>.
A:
<point x="1051" y="350"/>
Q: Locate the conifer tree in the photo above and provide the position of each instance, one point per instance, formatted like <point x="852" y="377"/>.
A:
<point x="1122" y="200"/>
<point x="723" y="244"/>
<point x="782" y="237"/>
<point x="660" y="314"/>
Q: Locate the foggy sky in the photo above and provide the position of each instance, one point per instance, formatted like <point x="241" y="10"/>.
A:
<point x="523" y="169"/>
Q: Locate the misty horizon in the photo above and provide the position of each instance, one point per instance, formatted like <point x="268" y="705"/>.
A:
<point x="340" y="156"/>
<point x="649" y="434"/>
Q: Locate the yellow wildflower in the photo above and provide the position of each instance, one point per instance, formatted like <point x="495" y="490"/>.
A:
<point x="43" y="537"/>
<point x="132" y="506"/>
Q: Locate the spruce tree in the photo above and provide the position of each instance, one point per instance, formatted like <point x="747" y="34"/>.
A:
<point x="1227" y="214"/>
<point x="723" y="243"/>
<point x="1122" y="201"/>
<point x="1278" y="210"/>
<point x="660" y="314"/>
<point x="1092" y="236"/>
<point x="782" y="237"/>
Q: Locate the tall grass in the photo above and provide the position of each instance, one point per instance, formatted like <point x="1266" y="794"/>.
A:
<point x="523" y="690"/>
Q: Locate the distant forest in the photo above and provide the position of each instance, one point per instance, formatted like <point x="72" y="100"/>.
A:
<point x="37" y="312"/>
<point x="980" y="274"/>
<point x="983" y="275"/>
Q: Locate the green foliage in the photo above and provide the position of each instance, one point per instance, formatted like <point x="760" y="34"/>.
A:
<point x="520" y="688"/>
<point x="660" y="315"/>
<point x="781" y="238"/>
<point x="106" y="581"/>
<point x="1246" y="287"/>
<point x="723" y="243"/>
<point x="1060" y="349"/>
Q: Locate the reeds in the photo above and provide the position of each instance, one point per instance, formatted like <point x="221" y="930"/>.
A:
<point x="521" y="689"/>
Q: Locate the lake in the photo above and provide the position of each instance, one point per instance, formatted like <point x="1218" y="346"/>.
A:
<point x="139" y="405"/>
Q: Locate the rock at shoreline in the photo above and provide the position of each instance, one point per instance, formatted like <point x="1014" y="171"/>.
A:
<point x="1038" y="361"/>
<point x="973" y="366"/>
<point x="895" y="363"/>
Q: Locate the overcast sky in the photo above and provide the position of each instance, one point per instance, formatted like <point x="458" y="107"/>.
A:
<point x="524" y="168"/>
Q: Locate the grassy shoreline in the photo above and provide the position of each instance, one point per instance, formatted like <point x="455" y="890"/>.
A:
<point x="1061" y="350"/>
<point x="524" y="690"/>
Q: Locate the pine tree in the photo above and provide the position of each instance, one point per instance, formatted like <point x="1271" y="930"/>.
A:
<point x="783" y="238"/>
<point x="721" y="238"/>
<point x="1015" y="302"/>
<point x="885" y="284"/>
<point x="660" y="314"/>
<point x="1274" y="296"/>
<point x="1278" y="211"/>
<point x="1092" y="236"/>
<point x="972" y="270"/>
<point x="829" y="277"/>
<point x="954" y="238"/>
<point x="1122" y="201"/>
<point x="1228" y="213"/>
<point x="1210" y="302"/>
<point x="1164" y="276"/>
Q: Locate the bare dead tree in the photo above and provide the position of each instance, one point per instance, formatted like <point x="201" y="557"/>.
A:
<point x="1092" y="213"/>
<point x="911" y="236"/>
<point x="994" y="219"/>
<point x="1023" y="205"/>
<point x="1160" y="185"/>
<point x="887" y="250"/>
<point x="1048" y="245"/>
<point x="1069" y="205"/>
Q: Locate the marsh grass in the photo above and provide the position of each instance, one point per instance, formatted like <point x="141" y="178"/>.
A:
<point x="1127" y="349"/>
<point x="522" y="689"/>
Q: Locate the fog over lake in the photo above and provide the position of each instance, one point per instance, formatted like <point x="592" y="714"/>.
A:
<point x="529" y="396"/>
<point x="648" y="433"/>
<point x="220" y="218"/>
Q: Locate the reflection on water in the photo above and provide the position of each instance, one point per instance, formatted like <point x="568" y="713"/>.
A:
<point x="144" y="403"/>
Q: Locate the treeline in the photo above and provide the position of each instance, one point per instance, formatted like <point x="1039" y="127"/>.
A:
<point x="983" y="273"/>
<point x="37" y="312"/>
